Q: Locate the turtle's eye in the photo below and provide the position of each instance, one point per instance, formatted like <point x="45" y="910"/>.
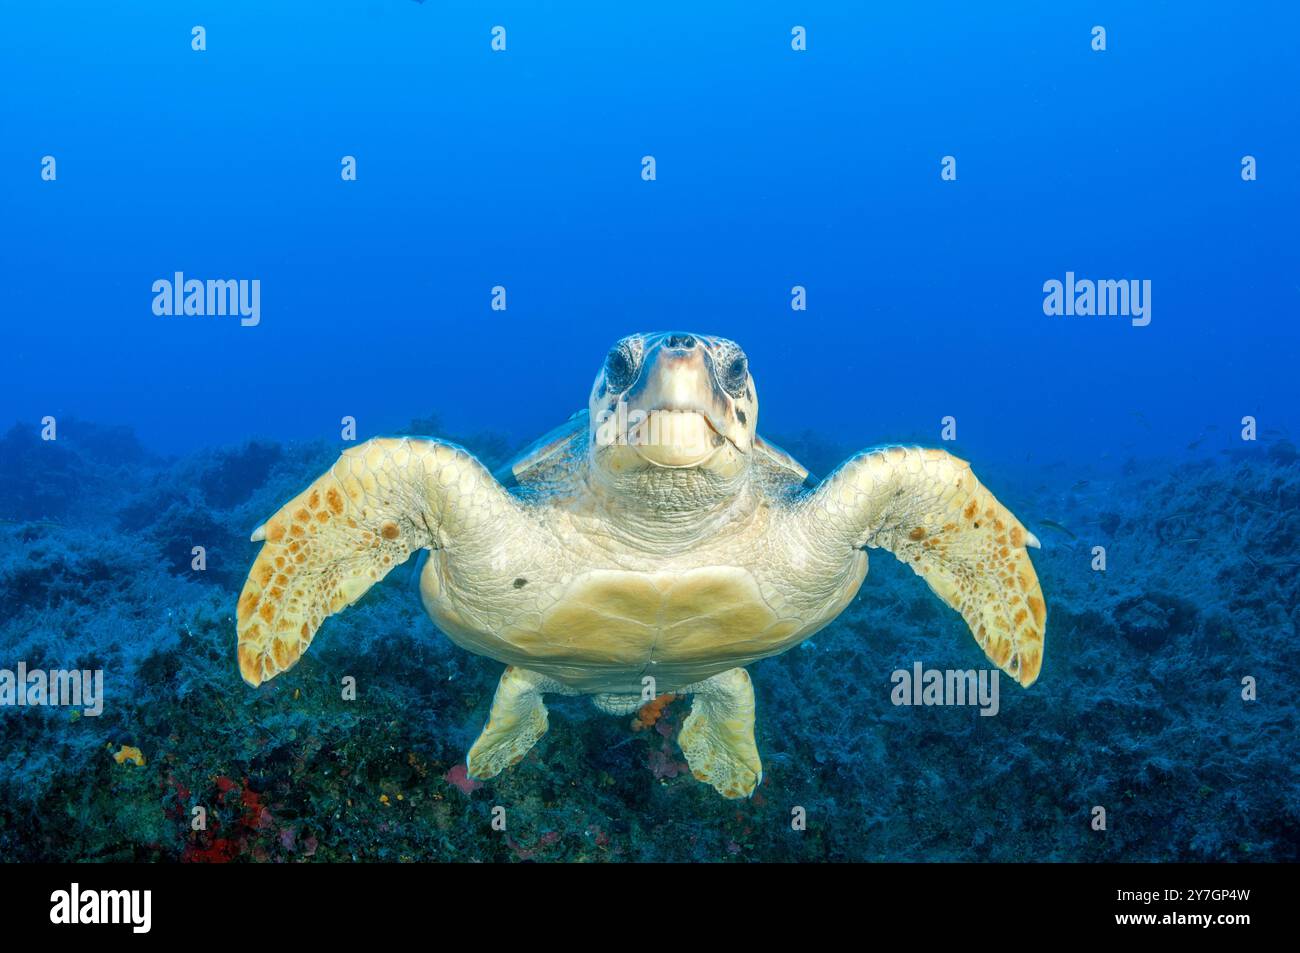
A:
<point x="620" y="368"/>
<point x="733" y="373"/>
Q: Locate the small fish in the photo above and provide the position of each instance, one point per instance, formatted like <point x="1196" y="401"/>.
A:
<point x="1052" y="524"/>
<point x="1079" y="486"/>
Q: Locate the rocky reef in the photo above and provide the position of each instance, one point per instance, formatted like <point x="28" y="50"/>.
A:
<point x="1139" y="709"/>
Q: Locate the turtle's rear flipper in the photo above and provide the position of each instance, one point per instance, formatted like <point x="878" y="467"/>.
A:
<point x="517" y="720"/>
<point x="718" y="735"/>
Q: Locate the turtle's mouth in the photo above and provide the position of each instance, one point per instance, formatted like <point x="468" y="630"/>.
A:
<point x="667" y="437"/>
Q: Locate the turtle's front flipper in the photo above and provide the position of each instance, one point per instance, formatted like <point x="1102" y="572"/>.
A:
<point x="718" y="735"/>
<point x="380" y="502"/>
<point x="927" y="508"/>
<point x="517" y="720"/>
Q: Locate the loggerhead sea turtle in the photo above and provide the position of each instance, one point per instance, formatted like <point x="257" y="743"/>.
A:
<point x="653" y="536"/>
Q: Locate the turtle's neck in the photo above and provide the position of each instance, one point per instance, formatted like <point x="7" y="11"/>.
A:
<point x="669" y="510"/>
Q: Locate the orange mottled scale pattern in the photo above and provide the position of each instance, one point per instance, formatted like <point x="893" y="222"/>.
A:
<point x="327" y="546"/>
<point x="928" y="509"/>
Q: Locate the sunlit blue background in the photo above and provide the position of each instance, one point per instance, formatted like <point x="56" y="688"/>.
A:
<point x="775" y="168"/>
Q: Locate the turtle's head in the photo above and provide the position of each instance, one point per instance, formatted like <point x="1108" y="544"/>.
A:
<point x="673" y="401"/>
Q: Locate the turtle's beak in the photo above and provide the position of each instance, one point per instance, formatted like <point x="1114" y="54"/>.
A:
<point x="677" y="414"/>
<point x="673" y="401"/>
<point x="675" y="438"/>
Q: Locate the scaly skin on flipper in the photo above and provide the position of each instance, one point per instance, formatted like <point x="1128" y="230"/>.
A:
<point x="327" y="546"/>
<point x="718" y="735"/>
<point x="928" y="509"/>
<point x="517" y="720"/>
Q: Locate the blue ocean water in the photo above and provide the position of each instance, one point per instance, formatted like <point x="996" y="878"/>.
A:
<point x="919" y="174"/>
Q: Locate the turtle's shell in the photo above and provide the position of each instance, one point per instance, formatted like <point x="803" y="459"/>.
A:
<point x="600" y="620"/>
<point x="605" y="630"/>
